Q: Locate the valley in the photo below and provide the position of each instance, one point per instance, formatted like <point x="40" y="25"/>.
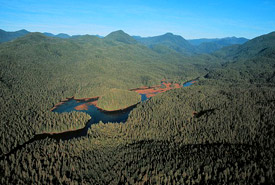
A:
<point x="215" y="129"/>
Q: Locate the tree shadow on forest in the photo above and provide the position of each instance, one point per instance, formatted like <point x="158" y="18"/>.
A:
<point x="203" y="112"/>
<point x="57" y="136"/>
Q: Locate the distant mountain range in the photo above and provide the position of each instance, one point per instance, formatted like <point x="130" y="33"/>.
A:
<point x="60" y="35"/>
<point x="251" y="62"/>
<point x="169" y="40"/>
<point x="163" y="43"/>
<point x="6" y="36"/>
<point x="231" y="105"/>
<point x="211" y="45"/>
<point x="181" y="45"/>
<point x="256" y="47"/>
<point x="223" y="41"/>
<point x="120" y="36"/>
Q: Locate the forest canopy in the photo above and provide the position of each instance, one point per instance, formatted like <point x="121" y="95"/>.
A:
<point x="218" y="131"/>
<point x="116" y="99"/>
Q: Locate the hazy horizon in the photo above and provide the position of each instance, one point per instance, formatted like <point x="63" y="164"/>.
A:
<point x="123" y="31"/>
<point x="191" y="20"/>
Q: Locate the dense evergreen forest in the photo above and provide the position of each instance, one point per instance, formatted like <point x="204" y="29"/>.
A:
<point x="219" y="130"/>
<point x="116" y="99"/>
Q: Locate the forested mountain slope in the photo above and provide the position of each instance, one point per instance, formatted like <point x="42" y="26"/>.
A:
<point x="8" y="36"/>
<point x="227" y="41"/>
<point x="174" y="42"/>
<point x="212" y="45"/>
<point x="258" y="46"/>
<point x="38" y="71"/>
<point x="120" y="36"/>
<point x="60" y="35"/>
<point x="162" y="44"/>
<point x="251" y="62"/>
<point x="218" y="131"/>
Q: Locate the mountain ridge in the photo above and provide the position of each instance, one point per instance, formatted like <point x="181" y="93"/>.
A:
<point x="210" y="133"/>
<point x="120" y="36"/>
<point x="227" y="40"/>
<point x="252" y="62"/>
<point x="212" y="45"/>
<point x="174" y="42"/>
<point x="167" y="42"/>
<point x="8" y="36"/>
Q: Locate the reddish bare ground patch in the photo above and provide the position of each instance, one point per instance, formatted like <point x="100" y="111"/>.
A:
<point x="92" y="103"/>
<point x="85" y="106"/>
<point x="143" y="87"/>
<point x="150" y="95"/>
<point x="81" y="107"/>
<point x="148" y="91"/>
<point x="61" y="102"/>
<point x="154" y="90"/>
<point x="176" y="86"/>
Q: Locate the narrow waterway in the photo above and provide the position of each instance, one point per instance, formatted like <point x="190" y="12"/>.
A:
<point x="96" y="114"/>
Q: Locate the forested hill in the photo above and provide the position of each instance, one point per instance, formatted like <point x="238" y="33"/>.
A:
<point x="251" y="62"/>
<point x="194" y="46"/>
<point x="60" y="35"/>
<point x="167" y="43"/>
<point x="174" y="42"/>
<point x="40" y="71"/>
<point x="227" y="41"/>
<point x="120" y="36"/>
<point x="116" y="61"/>
<point x="220" y="130"/>
<point x="212" y="45"/>
<point x="260" y="46"/>
<point x="8" y="36"/>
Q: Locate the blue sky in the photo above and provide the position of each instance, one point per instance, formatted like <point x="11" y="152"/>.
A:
<point x="190" y="19"/>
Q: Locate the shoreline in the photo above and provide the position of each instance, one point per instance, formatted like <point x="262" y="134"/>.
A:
<point x="149" y="92"/>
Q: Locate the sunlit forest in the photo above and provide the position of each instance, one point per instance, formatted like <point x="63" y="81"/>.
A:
<point x="220" y="130"/>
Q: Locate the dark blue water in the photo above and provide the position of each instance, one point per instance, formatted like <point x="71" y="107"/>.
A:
<point x="188" y="84"/>
<point x="98" y="115"/>
<point x="143" y="97"/>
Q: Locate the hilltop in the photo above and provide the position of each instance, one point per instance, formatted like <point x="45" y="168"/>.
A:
<point x="169" y="40"/>
<point x="252" y="62"/>
<point x="218" y="131"/>
<point x="8" y="36"/>
<point x="120" y="36"/>
<point x="166" y="43"/>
